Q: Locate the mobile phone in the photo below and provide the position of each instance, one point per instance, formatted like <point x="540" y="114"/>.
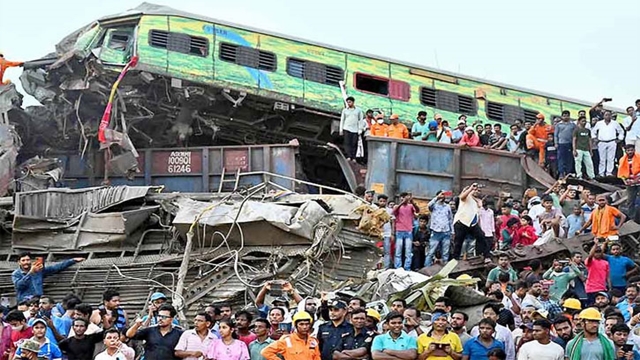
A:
<point x="39" y="261"/>
<point x="276" y="288"/>
<point x="607" y="99"/>
<point x="627" y="347"/>
<point x="285" y="327"/>
<point x="447" y="193"/>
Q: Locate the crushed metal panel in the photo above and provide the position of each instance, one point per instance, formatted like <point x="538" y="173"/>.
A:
<point x="71" y="203"/>
<point x="89" y="231"/>
<point x="252" y="216"/>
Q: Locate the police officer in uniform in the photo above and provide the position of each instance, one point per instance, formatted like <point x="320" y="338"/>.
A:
<point x="331" y="335"/>
<point x="358" y="344"/>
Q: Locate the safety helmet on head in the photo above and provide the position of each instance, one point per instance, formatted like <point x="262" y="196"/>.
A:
<point x="373" y="313"/>
<point x="573" y="304"/>
<point x="464" y="276"/>
<point x="301" y="316"/>
<point x="590" y="314"/>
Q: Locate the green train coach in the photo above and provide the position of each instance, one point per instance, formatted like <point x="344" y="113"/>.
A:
<point x="298" y="80"/>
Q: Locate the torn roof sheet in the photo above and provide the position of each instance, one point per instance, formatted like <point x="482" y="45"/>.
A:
<point x="67" y="203"/>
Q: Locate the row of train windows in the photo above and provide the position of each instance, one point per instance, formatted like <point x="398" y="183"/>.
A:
<point x="332" y="75"/>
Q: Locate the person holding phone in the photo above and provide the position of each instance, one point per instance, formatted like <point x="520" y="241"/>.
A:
<point x="29" y="275"/>
<point x="441" y="227"/>
<point x="439" y="343"/>
<point x="466" y="222"/>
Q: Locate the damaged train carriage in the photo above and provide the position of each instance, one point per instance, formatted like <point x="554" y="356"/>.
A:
<point x="201" y="82"/>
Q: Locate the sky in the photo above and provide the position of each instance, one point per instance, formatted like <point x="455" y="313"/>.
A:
<point x="569" y="48"/>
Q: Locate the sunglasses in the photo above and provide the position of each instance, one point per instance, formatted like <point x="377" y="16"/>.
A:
<point x="164" y="317"/>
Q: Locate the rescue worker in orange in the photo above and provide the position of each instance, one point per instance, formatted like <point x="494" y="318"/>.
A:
<point x="397" y="130"/>
<point x="378" y="127"/>
<point x="537" y="137"/>
<point x="4" y="65"/>
<point x="629" y="172"/>
<point x="603" y="219"/>
<point x="298" y="346"/>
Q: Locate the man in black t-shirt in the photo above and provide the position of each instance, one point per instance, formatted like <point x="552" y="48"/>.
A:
<point x="80" y="346"/>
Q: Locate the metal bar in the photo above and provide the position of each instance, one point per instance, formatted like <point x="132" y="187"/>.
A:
<point x="235" y="186"/>
<point x="428" y="173"/>
<point x="457" y="170"/>
<point x="221" y="180"/>
<point x="177" y="297"/>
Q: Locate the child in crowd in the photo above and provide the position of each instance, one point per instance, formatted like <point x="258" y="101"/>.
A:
<point x="575" y="221"/>
<point x="526" y="232"/>
<point x="509" y="233"/>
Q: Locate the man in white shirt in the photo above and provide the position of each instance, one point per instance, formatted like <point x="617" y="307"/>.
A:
<point x="541" y="348"/>
<point x="632" y="128"/>
<point x="351" y="125"/>
<point x="115" y="350"/>
<point x="607" y="133"/>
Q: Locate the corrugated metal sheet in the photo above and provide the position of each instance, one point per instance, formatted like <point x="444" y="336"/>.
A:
<point x="64" y="204"/>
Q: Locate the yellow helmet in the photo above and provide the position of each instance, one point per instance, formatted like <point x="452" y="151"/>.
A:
<point x="590" y="314"/>
<point x="374" y="314"/>
<point x="464" y="277"/>
<point x="573" y="304"/>
<point x="301" y="316"/>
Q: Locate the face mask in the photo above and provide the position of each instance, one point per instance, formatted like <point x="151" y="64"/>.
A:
<point x="16" y="328"/>
<point x="380" y="121"/>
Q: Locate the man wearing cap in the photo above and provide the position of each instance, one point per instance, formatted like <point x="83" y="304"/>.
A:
<point x="395" y="343"/>
<point x="351" y="121"/>
<point x="47" y="350"/>
<point x="420" y="127"/>
<point x="29" y="350"/>
<point x="590" y="344"/>
<point x="629" y="172"/>
<point x="439" y="343"/>
<point x="373" y="318"/>
<point x="331" y="334"/>
<point x="607" y="133"/>
<point x="396" y="129"/>
<point x="537" y="137"/>
<point x="458" y="132"/>
<point x="151" y="319"/>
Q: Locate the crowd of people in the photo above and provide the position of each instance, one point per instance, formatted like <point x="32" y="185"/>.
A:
<point x="576" y="309"/>
<point x="565" y="146"/>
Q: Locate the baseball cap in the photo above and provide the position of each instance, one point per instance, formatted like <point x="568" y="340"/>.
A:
<point x="157" y="296"/>
<point x="526" y="326"/>
<point x="41" y="321"/>
<point x="603" y="293"/>
<point x="338" y="304"/>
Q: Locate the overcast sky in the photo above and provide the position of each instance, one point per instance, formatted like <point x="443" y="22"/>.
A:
<point x="567" y="47"/>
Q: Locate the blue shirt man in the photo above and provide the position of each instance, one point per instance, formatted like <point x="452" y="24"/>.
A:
<point x="395" y="341"/>
<point x="28" y="278"/>
<point x="332" y="334"/>
<point x="478" y="347"/>
<point x="618" y="267"/>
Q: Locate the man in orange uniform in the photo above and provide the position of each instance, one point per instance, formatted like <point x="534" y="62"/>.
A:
<point x="396" y="129"/>
<point x="298" y="346"/>
<point x="4" y="65"/>
<point x="603" y="219"/>
<point x="378" y="127"/>
<point x="629" y="172"/>
<point x="537" y="137"/>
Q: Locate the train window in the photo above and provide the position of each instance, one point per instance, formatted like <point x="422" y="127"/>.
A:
<point x="314" y="71"/>
<point x="448" y="101"/>
<point x="372" y="84"/>
<point x="509" y="113"/>
<point x="248" y="56"/>
<point x="178" y="42"/>
<point x="118" y="41"/>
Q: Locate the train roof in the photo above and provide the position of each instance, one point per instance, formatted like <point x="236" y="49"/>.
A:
<point x="154" y="9"/>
